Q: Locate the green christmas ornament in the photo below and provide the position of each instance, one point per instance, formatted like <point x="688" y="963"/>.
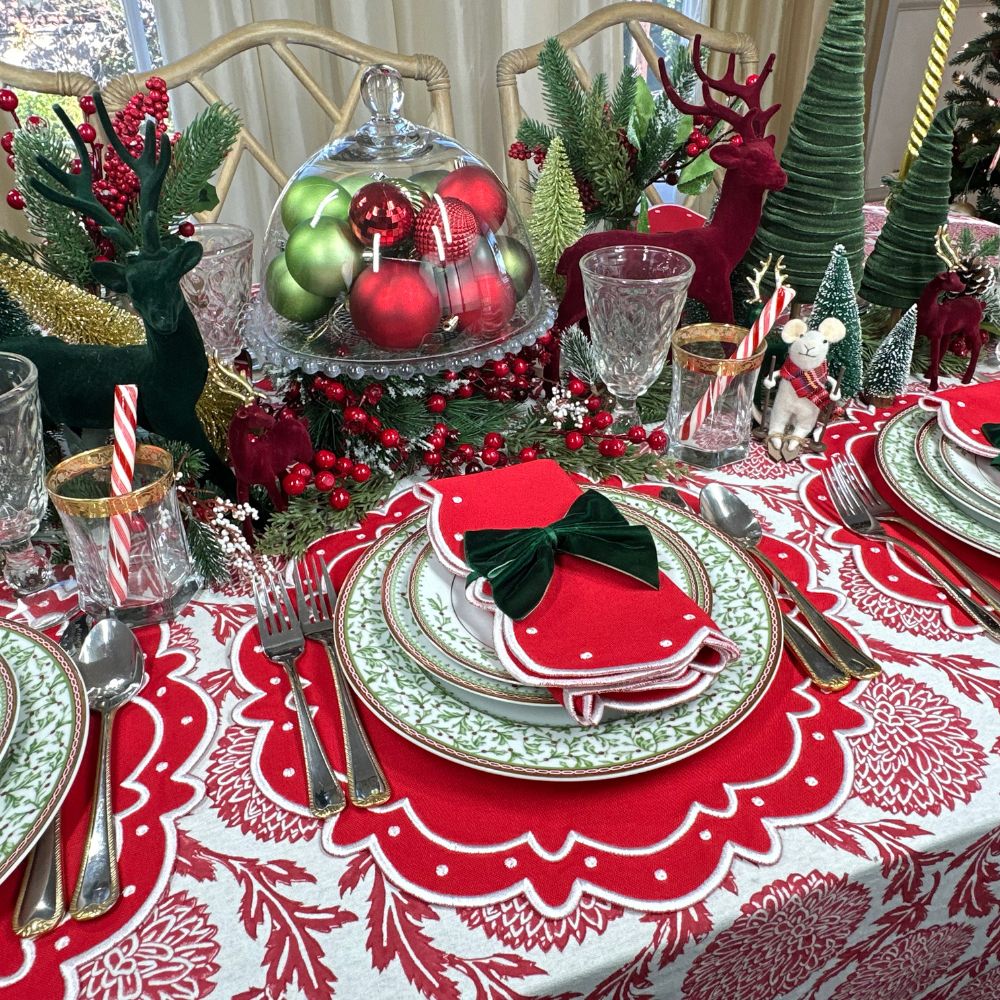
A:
<point x="837" y="297"/>
<point x="824" y="158"/>
<point x="290" y="299"/>
<point x="353" y="183"/>
<point x="323" y="257"/>
<point x="428" y="180"/>
<point x="310" y="196"/>
<point x="905" y="257"/>
<point x="519" y="263"/>
<point x="889" y="369"/>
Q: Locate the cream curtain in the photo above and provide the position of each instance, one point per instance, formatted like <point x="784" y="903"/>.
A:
<point x="469" y="36"/>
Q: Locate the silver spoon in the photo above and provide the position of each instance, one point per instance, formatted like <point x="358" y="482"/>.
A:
<point x="40" y="904"/>
<point x="731" y="515"/>
<point x="111" y="662"/>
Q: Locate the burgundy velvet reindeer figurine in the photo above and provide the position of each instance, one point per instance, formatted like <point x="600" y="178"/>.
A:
<point x="751" y="169"/>
<point x="949" y="318"/>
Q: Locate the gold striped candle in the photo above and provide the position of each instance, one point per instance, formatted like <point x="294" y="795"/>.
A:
<point x="929" y="89"/>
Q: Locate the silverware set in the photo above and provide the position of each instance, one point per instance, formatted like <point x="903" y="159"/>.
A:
<point x="284" y="630"/>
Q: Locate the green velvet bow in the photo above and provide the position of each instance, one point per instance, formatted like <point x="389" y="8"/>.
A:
<point x="519" y="562"/>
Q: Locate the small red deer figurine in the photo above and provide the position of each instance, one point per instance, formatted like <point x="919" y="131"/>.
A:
<point x="751" y="169"/>
<point x="948" y="318"/>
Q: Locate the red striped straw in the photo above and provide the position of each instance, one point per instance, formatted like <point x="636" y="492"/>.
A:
<point x="122" y="470"/>
<point x="774" y="307"/>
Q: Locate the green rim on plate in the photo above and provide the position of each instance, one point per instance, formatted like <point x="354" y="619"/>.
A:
<point x="48" y="739"/>
<point x="426" y="602"/>
<point x="8" y="707"/>
<point x="407" y="699"/>
<point x="896" y="458"/>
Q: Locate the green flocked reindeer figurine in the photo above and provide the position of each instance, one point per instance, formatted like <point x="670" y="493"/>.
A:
<point x="77" y="381"/>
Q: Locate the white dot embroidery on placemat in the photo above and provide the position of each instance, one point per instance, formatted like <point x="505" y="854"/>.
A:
<point x="442" y="870"/>
<point x="532" y="630"/>
<point x="289" y="772"/>
<point x="393" y="831"/>
<point x="61" y="943"/>
<point x="811" y="781"/>
<point x="275" y="681"/>
<point x="141" y="830"/>
<point x="459" y="536"/>
<point x="161" y="691"/>
<point x="287" y="727"/>
<point x="456" y="499"/>
<point x="705" y="834"/>
<point x="757" y="800"/>
<point x="689" y="617"/>
<point x="819" y="737"/>
<point x="586" y="656"/>
<point x="128" y="891"/>
<point x="590" y="861"/>
<point x="666" y="643"/>
<point x="187" y="720"/>
<point x="510" y="862"/>
<point x="893" y="578"/>
<point x="660" y="875"/>
<point x="162" y="766"/>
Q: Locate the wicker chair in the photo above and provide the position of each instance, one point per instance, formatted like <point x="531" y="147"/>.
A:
<point x="519" y="61"/>
<point x="279" y="36"/>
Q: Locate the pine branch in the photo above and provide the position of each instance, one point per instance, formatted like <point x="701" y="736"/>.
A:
<point x="206" y="552"/>
<point x="563" y="97"/>
<point x="624" y="97"/>
<point x="577" y="355"/>
<point x="534" y="133"/>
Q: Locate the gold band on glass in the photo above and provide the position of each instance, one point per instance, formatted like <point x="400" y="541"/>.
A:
<point x="713" y="333"/>
<point x="100" y="458"/>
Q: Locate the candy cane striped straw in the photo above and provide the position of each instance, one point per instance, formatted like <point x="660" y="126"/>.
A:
<point x="774" y="307"/>
<point x="122" y="470"/>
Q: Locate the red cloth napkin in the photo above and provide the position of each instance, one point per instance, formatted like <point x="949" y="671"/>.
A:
<point x="598" y="638"/>
<point x="962" y="411"/>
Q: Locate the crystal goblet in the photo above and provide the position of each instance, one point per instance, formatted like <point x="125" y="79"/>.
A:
<point x="634" y="297"/>
<point x="22" y="475"/>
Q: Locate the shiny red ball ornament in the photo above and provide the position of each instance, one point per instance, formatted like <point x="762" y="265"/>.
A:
<point x="343" y="465"/>
<point x="489" y="302"/>
<point x="576" y="386"/>
<point x="87" y="105"/>
<point x="335" y="391"/>
<point x="436" y="441"/>
<point x="8" y="100"/>
<point x="594" y="403"/>
<point x="445" y="234"/>
<point x="692" y="149"/>
<point x="493" y="440"/>
<point x="325" y="481"/>
<point x="186" y="229"/>
<point x="528" y="454"/>
<point x="480" y="189"/>
<point x="354" y="415"/>
<point x="301" y="470"/>
<point x="574" y="440"/>
<point x="501" y="368"/>
<point x="361" y="473"/>
<point x="395" y="307"/>
<point x="603" y="420"/>
<point x="340" y="499"/>
<point x="389" y="438"/>
<point x="432" y="458"/>
<point x="519" y="366"/>
<point x="293" y="485"/>
<point x="464" y="391"/>
<point x="657" y="440"/>
<point x="489" y="456"/>
<point x="324" y="459"/>
<point x="636" y="434"/>
<point x="87" y="132"/>
<point x="466" y="451"/>
<point x="612" y="447"/>
<point x="436" y="403"/>
<point x="587" y="425"/>
<point x="15" y="199"/>
<point x="383" y="209"/>
<point x="7" y="142"/>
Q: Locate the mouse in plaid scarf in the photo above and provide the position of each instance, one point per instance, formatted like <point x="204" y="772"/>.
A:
<point x="806" y="386"/>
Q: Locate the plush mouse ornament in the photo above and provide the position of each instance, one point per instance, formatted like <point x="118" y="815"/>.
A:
<point x="806" y="386"/>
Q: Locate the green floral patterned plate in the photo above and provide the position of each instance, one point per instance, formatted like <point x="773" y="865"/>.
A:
<point x="896" y="457"/>
<point x="974" y="472"/>
<point x="48" y="739"/>
<point x="9" y="700"/>
<point x="463" y="633"/>
<point x="408" y="699"/>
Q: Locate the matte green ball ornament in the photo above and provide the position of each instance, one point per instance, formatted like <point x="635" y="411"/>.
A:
<point x="288" y="298"/>
<point x="428" y="180"/>
<point x="353" y="183"/>
<point x="519" y="263"/>
<point x="313" y="196"/>
<point x="323" y="257"/>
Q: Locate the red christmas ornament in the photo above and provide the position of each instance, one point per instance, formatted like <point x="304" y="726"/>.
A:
<point x="15" y="199"/>
<point x="384" y="209"/>
<point x="361" y="473"/>
<point x="480" y="189"/>
<point x="87" y="132"/>
<point x="186" y="229"/>
<point x="436" y="403"/>
<point x="489" y="456"/>
<point x="340" y="499"/>
<point x="325" y="481"/>
<point x="390" y="438"/>
<point x="488" y="302"/>
<point x="692" y="149"/>
<point x="8" y="100"/>
<point x="520" y="367"/>
<point x="395" y="307"/>
<point x="574" y="440"/>
<point x="324" y="459"/>
<point x="445" y="230"/>
<point x="293" y="485"/>
<point x="657" y="439"/>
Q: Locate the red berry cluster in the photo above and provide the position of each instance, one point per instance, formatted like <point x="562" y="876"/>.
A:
<point x="610" y="445"/>
<point x="520" y="151"/>
<point x="512" y="378"/>
<point x="326" y="474"/>
<point x="358" y="422"/>
<point x="588" y="199"/>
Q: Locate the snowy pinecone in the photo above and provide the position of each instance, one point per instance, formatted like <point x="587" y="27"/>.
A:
<point x="977" y="273"/>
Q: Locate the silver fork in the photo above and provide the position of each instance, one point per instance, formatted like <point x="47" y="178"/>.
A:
<point x="880" y="510"/>
<point x="859" y="517"/>
<point x="315" y="597"/>
<point x="283" y="642"/>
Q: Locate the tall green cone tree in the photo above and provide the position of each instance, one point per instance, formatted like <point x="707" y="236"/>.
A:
<point x="557" y="218"/>
<point x="825" y="161"/>
<point x="837" y="297"/>
<point x="904" y="258"/>
<point x="14" y="321"/>
<point x="889" y="369"/>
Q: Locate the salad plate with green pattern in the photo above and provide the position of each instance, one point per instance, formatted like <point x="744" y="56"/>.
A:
<point x="9" y="700"/>
<point x="412" y="702"/>
<point x="48" y="739"/>
<point x="896" y="457"/>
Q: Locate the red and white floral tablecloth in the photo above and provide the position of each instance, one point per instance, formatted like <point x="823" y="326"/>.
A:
<point x="833" y="846"/>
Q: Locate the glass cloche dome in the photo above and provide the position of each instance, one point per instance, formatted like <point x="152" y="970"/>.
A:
<point x="395" y="251"/>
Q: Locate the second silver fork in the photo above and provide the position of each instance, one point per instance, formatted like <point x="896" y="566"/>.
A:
<point x="315" y="596"/>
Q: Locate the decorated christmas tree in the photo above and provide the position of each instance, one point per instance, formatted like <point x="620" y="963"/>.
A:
<point x="557" y="218"/>
<point x="837" y="297"/>
<point x="905" y="257"/>
<point x="889" y="368"/>
<point x="977" y="135"/>
<point x="824" y="159"/>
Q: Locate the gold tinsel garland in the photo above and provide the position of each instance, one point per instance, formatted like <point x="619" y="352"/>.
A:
<point x="65" y="311"/>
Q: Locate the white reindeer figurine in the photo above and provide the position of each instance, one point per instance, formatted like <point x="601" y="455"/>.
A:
<point x="806" y="386"/>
